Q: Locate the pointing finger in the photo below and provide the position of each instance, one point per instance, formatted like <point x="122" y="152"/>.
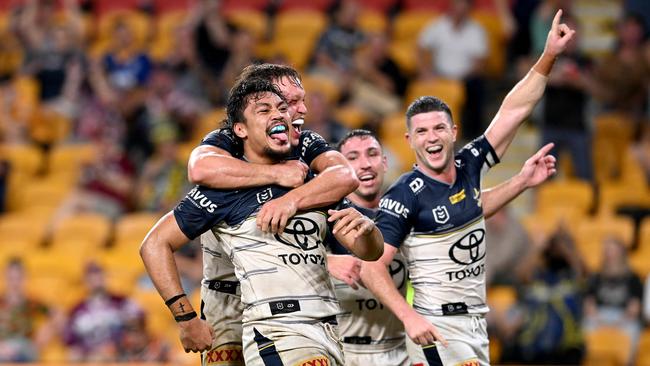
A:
<point x="556" y="20"/>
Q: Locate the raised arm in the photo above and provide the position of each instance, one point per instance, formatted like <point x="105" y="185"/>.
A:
<point x="213" y="167"/>
<point x="375" y="276"/>
<point x="157" y="252"/>
<point x="521" y="100"/>
<point x="537" y="169"/>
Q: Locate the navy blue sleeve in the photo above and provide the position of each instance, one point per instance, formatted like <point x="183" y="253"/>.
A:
<point x="311" y="145"/>
<point x="224" y="139"/>
<point x="479" y="155"/>
<point x="330" y="240"/>
<point x="396" y="209"/>
<point x="198" y="211"/>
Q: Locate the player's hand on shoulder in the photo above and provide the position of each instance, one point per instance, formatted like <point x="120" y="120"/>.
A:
<point x="421" y="331"/>
<point x="196" y="335"/>
<point x="290" y="173"/>
<point x="348" y="220"/>
<point x="346" y="268"/>
<point x="274" y="214"/>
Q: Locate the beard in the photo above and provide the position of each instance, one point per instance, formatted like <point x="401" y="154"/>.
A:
<point x="276" y="156"/>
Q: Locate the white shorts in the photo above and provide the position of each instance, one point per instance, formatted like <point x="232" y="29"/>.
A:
<point x="297" y="344"/>
<point x="223" y="312"/>
<point x="467" y="338"/>
<point x="394" y="357"/>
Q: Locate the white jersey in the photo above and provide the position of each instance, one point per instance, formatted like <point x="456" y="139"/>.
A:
<point x="366" y="325"/>
<point x="440" y="230"/>
<point x="281" y="276"/>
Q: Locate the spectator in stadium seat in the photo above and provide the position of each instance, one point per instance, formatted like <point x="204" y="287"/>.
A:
<point x="334" y="51"/>
<point x="96" y="324"/>
<point x="565" y="119"/>
<point x="621" y="83"/>
<point x="379" y="85"/>
<point x="509" y="242"/>
<point x="552" y="276"/>
<point x="21" y="339"/>
<point x="614" y="294"/>
<point x="321" y="120"/>
<point x="138" y="345"/>
<point x="454" y="46"/>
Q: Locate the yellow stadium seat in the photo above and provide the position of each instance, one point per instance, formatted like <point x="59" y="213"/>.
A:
<point x="577" y="193"/>
<point x="27" y="97"/>
<point x="632" y="173"/>
<point x="159" y="318"/>
<point x="66" y="262"/>
<point x="372" y="21"/>
<point x="590" y="234"/>
<point x="404" y="53"/>
<point x="640" y="257"/>
<point x="392" y="134"/>
<point x="24" y="159"/>
<point x="37" y="197"/>
<point x="126" y="260"/>
<point x="119" y="282"/>
<point x="95" y="229"/>
<point x="607" y="346"/>
<point x="68" y="158"/>
<point x="167" y="29"/>
<point x="408" y="25"/>
<point x="350" y="116"/>
<point x="208" y="122"/>
<point x="47" y="288"/>
<point x="23" y="229"/>
<point x="294" y="48"/>
<point x="617" y="195"/>
<point x="497" y="42"/>
<point x="134" y="226"/>
<point x="322" y="84"/>
<point x="611" y="138"/>
<point x="501" y="298"/>
<point x="47" y="126"/>
<point x="643" y="349"/>
<point x="253" y="21"/>
<point x="451" y="92"/>
<point x="55" y="351"/>
<point x="300" y="24"/>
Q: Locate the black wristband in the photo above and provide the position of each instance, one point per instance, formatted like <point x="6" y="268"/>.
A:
<point x="185" y="317"/>
<point x="173" y="299"/>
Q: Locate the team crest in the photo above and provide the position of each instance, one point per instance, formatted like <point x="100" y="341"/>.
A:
<point x="264" y="196"/>
<point x="472" y="362"/>
<point x="440" y="214"/>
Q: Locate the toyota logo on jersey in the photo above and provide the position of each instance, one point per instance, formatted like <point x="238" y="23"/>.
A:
<point x="301" y="233"/>
<point x="468" y="249"/>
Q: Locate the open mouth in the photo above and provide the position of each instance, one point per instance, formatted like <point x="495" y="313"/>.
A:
<point x="279" y="133"/>
<point x="434" y="151"/>
<point x="366" y="177"/>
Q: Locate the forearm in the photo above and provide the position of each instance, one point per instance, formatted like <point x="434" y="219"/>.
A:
<point x="368" y="247"/>
<point x="329" y="187"/>
<point x="377" y="279"/>
<point x="516" y="106"/>
<point x="223" y="172"/>
<point x="157" y="252"/>
<point x="493" y="199"/>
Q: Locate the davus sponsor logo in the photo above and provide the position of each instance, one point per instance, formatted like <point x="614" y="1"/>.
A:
<point x="394" y="206"/>
<point x="201" y="200"/>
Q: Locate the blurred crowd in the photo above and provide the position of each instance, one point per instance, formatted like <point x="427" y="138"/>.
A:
<point x="102" y="100"/>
